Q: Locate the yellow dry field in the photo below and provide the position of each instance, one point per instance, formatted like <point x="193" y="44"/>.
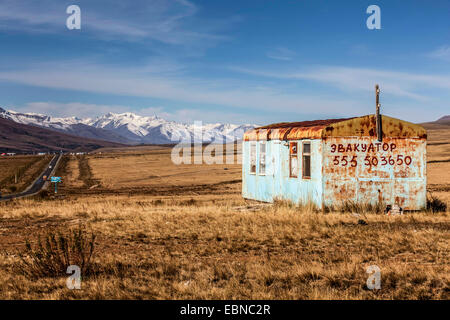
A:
<point x="184" y="232"/>
<point x="12" y="163"/>
<point x="438" y="166"/>
<point x="148" y="248"/>
<point x="25" y="168"/>
<point x="156" y="168"/>
<point x="72" y="178"/>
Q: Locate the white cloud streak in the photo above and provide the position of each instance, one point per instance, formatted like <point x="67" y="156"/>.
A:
<point x="132" y="82"/>
<point x="165" y="82"/>
<point x="159" y="20"/>
<point x="402" y="84"/>
<point x="281" y="53"/>
<point x="442" y="53"/>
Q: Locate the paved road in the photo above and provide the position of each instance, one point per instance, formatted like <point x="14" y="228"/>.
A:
<point x="38" y="184"/>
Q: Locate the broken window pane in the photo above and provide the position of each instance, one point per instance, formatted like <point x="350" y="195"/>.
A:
<point x="262" y="158"/>
<point x="252" y="158"/>
<point x="293" y="160"/>
<point x="306" y="160"/>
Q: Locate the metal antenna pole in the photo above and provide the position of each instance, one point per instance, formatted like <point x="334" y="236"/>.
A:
<point x="378" y="115"/>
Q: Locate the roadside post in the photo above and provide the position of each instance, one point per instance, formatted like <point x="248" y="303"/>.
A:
<point x="56" y="180"/>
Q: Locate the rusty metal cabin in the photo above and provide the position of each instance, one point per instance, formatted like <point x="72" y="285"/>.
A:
<point x="369" y="159"/>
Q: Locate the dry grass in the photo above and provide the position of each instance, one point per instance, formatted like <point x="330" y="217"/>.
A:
<point x="438" y="167"/>
<point x="153" y="168"/>
<point x="193" y="249"/>
<point x="184" y="232"/>
<point x="73" y="173"/>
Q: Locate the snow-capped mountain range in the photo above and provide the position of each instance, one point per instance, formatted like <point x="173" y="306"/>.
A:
<point x="130" y="128"/>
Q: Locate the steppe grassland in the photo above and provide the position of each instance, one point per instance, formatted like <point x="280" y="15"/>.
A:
<point x="173" y="249"/>
<point x="19" y="171"/>
<point x="185" y="232"/>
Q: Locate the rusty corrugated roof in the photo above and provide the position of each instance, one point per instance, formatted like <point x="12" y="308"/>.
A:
<point x="345" y="127"/>
<point x="303" y="124"/>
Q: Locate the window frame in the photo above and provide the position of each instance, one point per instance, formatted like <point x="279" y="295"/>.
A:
<point x="292" y="155"/>
<point x="306" y="154"/>
<point x="262" y="143"/>
<point x="253" y="144"/>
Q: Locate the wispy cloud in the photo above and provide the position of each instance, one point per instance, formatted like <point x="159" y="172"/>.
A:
<point x="164" y="21"/>
<point x="137" y="82"/>
<point x="442" y="53"/>
<point x="281" y="53"/>
<point x="168" y="81"/>
<point x="403" y="84"/>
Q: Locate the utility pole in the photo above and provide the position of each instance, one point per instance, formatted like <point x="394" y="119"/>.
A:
<point x="378" y="115"/>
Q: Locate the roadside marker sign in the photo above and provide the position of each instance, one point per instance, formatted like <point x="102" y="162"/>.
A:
<point x="55" y="180"/>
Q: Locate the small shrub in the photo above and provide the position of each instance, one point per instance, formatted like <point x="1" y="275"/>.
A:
<point x="435" y="204"/>
<point x="56" y="251"/>
<point x="44" y="194"/>
<point x="157" y="202"/>
<point x="190" y="202"/>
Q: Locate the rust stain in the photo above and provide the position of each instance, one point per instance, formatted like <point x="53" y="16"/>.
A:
<point x="364" y="126"/>
<point x="279" y="133"/>
<point x="390" y="172"/>
<point x="263" y="134"/>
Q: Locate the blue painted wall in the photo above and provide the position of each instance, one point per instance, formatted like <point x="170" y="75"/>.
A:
<point x="276" y="183"/>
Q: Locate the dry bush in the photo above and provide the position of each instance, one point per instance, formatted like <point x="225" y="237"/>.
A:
<point x="435" y="204"/>
<point x="51" y="256"/>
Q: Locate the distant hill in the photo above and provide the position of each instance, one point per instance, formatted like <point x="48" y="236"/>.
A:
<point x="130" y="128"/>
<point x="71" y="125"/>
<point x="444" y="119"/>
<point x="17" y="137"/>
<point x="441" y="123"/>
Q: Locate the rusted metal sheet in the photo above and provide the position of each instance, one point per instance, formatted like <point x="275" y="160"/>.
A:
<point x="279" y="133"/>
<point x="262" y="134"/>
<point x="364" y="170"/>
<point x="305" y="133"/>
<point x="304" y="124"/>
<point x="366" y="127"/>
<point x="351" y="127"/>
<point x="251" y="135"/>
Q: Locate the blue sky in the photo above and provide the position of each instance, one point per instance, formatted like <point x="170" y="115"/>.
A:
<point x="248" y="61"/>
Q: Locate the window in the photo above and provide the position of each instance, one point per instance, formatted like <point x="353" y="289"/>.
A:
<point x="306" y="160"/>
<point x="293" y="160"/>
<point x="253" y="158"/>
<point x="262" y="158"/>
